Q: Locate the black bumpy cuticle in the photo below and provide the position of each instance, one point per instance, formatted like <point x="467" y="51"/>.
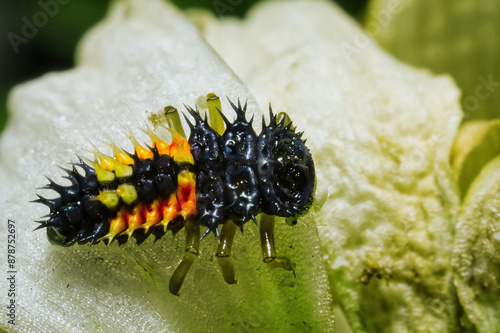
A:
<point x="239" y="139"/>
<point x="146" y="189"/>
<point x="209" y="168"/>
<point x="242" y="192"/>
<point x="285" y="169"/>
<point x="240" y="174"/>
<point x="211" y="203"/>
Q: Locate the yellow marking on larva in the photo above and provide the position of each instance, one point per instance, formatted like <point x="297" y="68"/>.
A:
<point x="122" y="170"/>
<point x="109" y="198"/>
<point x="127" y="193"/>
<point x="186" y="193"/>
<point x="105" y="166"/>
<point x="116" y="225"/>
<point x="159" y="212"/>
<point x="103" y="175"/>
<point x="119" y="163"/>
<point x="169" y="210"/>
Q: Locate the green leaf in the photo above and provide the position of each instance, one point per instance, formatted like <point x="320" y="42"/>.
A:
<point x="459" y="37"/>
<point x="476" y="257"/>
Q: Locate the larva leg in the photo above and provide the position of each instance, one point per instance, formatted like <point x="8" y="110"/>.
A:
<point x="174" y="120"/>
<point x="282" y="115"/>
<point x="267" y="240"/>
<point x="224" y="251"/>
<point x="216" y="121"/>
<point x="190" y="254"/>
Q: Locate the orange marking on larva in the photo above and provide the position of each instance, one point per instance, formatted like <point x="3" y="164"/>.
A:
<point x="134" y="220"/>
<point x="180" y="150"/>
<point x="106" y="162"/>
<point x="173" y="151"/>
<point x="169" y="209"/>
<point x="162" y="147"/>
<point x="159" y="145"/>
<point x="143" y="153"/>
<point x="123" y="158"/>
<point x="152" y="214"/>
<point x="116" y="225"/>
<point x="140" y="151"/>
<point x="186" y="193"/>
<point x="119" y="155"/>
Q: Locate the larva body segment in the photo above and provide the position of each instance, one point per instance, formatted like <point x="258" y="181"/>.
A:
<point x="209" y="166"/>
<point x="215" y="177"/>
<point x="238" y="144"/>
<point x="123" y="195"/>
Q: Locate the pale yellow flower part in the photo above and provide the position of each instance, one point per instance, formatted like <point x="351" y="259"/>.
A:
<point x="380" y="133"/>
<point x="476" y="257"/>
<point x="476" y="144"/>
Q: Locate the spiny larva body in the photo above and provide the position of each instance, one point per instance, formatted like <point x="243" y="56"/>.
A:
<point x="216" y="177"/>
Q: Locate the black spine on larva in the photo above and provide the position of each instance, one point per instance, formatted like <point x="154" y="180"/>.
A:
<point x="74" y="217"/>
<point x="238" y="149"/>
<point x="205" y="148"/>
<point x="285" y="169"/>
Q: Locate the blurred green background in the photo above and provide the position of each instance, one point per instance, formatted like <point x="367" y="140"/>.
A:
<point x="458" y="37"/>
<point x="51" y="46"/>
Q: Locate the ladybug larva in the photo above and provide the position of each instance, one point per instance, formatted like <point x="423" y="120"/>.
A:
<point x="218" y="177"/>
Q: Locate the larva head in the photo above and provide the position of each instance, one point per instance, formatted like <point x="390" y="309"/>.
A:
<point x="285" y="169"/>
<point x="56" y="236"/>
